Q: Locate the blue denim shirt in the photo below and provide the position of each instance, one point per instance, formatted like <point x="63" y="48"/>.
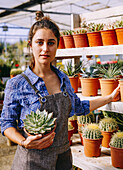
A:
<point x="20" y="99"/>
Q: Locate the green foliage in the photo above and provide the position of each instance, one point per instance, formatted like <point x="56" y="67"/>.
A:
<point x="94" y="73"/>
<point x="117" y="116"/>
<point x="39" y="122"/>
<point x="15" y="71"/>
<point x="92" y="131"/>
<point x="67" y="32"/>
<point x="108" y="124"/>
<point x="92" y="27"/>
<point x="74" y="117"/>
<point x="72" y="70"/>
<point x="118" y="24"/>
<point x="4" y="69"/>
<point x="89" y="118"/>
<point x="113" y="71"/>
<point x="117" y="140"/>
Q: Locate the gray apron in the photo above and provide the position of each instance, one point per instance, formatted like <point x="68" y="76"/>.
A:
<point x="58" y="155"/>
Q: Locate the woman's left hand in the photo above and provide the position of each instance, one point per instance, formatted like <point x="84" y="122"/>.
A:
<point x="116" y="94"/>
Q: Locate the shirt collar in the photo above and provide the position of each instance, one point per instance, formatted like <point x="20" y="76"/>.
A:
<point x="34" y="78"/>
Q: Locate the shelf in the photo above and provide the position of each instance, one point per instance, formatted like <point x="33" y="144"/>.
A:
<point x="113" y="106"/>
<point x="100" y="50"/>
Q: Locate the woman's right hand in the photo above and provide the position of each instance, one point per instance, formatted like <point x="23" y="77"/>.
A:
<point x="37" y="142"/>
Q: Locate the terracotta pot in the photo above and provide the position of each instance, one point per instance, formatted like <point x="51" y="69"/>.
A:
<point x="74" y="83"/>
<point x="80" y="40"/>
<point x="117" y="157"/>
<point x="89" y="86"/>
<point x="109" y="37"/>
<point x="61" y="43"/>
<point x="94" y="39"/>
<point x="75" y="125"/>
<point x="92" y="147"/>
<point x="11" y="76"/>
<point x="68" y="41"/>
<point x="107" y="86"/>
<point x="119" y="33"/>
<point x="81" y="137"/>
<point x="79" y="82"/>
<point x="106" y="138"/>
<point x="121" y="89"/>
<point x="70" y="134"/>
<point x="80" y="126"/>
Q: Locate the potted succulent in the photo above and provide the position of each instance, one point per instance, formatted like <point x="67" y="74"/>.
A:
<point x="108" y="126"/>
<point x="68" y="39"/>
<point x="92" y="139"/>
<point x="72" y="72"/>
<point x="108" y="35"/>
<point x="90" y="82"/>
<point x="94" y="35"/>
<point x="39" y="122"/>
<point x="119" y="31"/>
<point x="70" y="132"/>
<point x="80" y="37"/>
<point x="82" y="121"/>
<point x="109" y="80"/>
<point x="73" y="121"/>
<point x="15" y="71"/>
<point x="116" y="145"/>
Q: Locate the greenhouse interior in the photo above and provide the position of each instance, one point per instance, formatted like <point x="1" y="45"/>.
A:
<point x="61" y="84"/>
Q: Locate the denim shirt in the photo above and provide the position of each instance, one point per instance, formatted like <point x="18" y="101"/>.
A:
<point x="20" y="99"/>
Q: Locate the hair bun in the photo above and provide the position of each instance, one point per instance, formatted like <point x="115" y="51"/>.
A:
<point x="39" y="15"/>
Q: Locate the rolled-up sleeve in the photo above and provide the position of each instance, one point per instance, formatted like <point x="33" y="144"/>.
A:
<point x="11" y="108"/>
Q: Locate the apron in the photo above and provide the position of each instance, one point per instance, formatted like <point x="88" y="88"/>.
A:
<point x="58" y="155"/>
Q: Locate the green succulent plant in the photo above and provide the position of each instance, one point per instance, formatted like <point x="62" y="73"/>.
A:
<point x="39" y="122"/>
<point x="118" y="24"/>
<point x="15" y="71"/>
<point x="108" y="124"/>
<point x="117" y="140"/>
<point x="92" y="27"/>
<point x="92" y="131"/>
<point x="74" y="117"/>
<point x="89" y="118"/>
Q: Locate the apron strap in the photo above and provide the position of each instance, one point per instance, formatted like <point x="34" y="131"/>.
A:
<point x="43" y="99"/>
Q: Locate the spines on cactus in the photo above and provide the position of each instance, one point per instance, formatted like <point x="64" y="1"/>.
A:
<point x="89" y="118"/>
<point x="108" y="124"/>
<point x="92" y="131"/>
<point x="39" y="122"/>
<point x="117" y="140"/>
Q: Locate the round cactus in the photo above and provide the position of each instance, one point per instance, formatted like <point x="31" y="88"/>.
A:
<point x="108" y="124"/>
<point x="40" y="122"/>
<point x="92" y="131"/>
<point x="117" y="140"/>
<point x="89" y="118"/>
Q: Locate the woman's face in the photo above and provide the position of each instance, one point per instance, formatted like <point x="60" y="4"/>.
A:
<point x="44" y="46"/>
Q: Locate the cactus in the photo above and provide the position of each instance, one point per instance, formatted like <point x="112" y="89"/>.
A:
<point x="89" y="118"/>
<point x="108" y="124"/>
<point x="74" y="117"/>
<point x="39" y="122"/>
<point x="117" y="140"/>
<point x="92" y="131"/>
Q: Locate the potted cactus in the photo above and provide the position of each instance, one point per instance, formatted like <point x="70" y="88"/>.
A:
<point x="92" y="139"/>
<point x="70" y="132"/>
<point x="108" y="126"/>
<point x="119" y="31"/>
<point x="15" y="71"/>
<point x="40" y="122"/>
<point x="116" y="145"/>
<point x="73" y="121"/>
<point x="68" y="39"/>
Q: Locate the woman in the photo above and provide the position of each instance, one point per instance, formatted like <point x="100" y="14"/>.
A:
<point x="43" y="87"/>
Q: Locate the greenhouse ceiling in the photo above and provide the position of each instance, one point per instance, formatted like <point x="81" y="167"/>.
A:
<point x="19" y="15"/>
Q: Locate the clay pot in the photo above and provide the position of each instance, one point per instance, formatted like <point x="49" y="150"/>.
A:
<point x="119" y="33"/>
<point x="81" y="137"/>
<point x="70" y="134"/>
<point x="94" y="39"/>
<point x="107" y="86"/>
<point x="89" y="86"/>
<point x="117" y="157"/>
<point x="92" y="147"/>
<point x="106" y="138"/>
<point x="68" y="41"/>
<point x="74" y="83"/>
<point x="109" y="37"/>
<point x="75" y="125"/>
<point x="80" y="40"/>
<point x="121" y="89"/>
<point x="61" y="43"/>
